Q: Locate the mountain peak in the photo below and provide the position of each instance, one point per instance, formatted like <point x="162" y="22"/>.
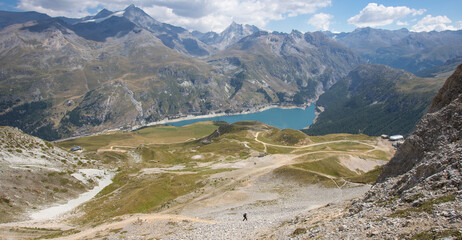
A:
<point x="235" y="24"/>
<point x="296" y="33"/>
<point x="103" y="13"/>
<point x="241" y="29"/>
<point x="132" y="10"/>
<point x="131" y="7"/>
<point x="451" y="90"/>
<point x="234" y="33"/>
<point x="233" y="27"/>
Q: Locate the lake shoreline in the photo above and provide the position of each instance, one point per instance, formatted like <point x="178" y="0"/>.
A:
<point x="212" y="115"/>
<point x="166" y="121"/>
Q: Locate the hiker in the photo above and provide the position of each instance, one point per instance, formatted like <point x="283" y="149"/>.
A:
<point x="245" y="217"/>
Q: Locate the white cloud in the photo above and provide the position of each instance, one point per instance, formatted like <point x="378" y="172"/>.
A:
<point x="321" y="21"/>
<point x="399" y="23"/>
<point x="374" y="15"/>
<point x="69" y="8"/>
<point x="437" y="23"/>
<point x="203" y="15"/>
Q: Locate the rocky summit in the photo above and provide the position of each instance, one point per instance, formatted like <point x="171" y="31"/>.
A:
<point x="418" y="194"/>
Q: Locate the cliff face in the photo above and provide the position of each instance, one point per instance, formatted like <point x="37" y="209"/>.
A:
<point x="439" y="132"/>
<point x="450" y="91"/>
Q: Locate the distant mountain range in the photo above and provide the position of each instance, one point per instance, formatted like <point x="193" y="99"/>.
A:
<point x="411" y="51"/>
<point x="65" y="77"/>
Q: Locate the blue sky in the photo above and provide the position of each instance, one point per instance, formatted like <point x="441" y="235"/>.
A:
<point x="273" y="15"/>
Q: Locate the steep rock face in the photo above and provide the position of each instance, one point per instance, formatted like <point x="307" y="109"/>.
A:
<point x="450" y="91"/>
<point x="438" y="131"/>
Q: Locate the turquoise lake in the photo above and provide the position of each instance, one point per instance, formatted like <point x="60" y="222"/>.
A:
<point x="294" y="118"/>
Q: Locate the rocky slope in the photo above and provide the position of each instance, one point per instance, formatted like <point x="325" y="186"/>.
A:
<point x="176" y="38"/>
<point x="68" y="77"/>
<point x="35" y="173"/>
<point x="418" y="194"/>
<point x="440" y="130"/>
<point x="375" y="100"/>
<point x="276" y="64"/>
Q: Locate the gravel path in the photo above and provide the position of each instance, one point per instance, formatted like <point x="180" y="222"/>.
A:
<point x="268" y="202"/>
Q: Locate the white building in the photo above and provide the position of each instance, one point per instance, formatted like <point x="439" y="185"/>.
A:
<point x="396" y="138"/>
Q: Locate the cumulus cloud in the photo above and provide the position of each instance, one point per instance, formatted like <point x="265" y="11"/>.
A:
<point x="203" y="15"/>
<point x="437" y="23"/>
<point x="70" y="8"/>
<point x="399" y="23"/>
<point x="375" y="15"/>
<point x="321" y="21"/>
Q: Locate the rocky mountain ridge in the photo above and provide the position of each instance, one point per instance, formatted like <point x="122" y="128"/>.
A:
<point x="227" y="37"/>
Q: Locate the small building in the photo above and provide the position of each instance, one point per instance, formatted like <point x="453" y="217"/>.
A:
<point x="396" y="138"/>
<point x="75" y="149"/>
<point x="262" y="154"/>
<point x="384" y="136"/>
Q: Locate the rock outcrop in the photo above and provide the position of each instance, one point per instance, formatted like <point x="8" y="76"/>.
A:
<point x="438" y="131"/>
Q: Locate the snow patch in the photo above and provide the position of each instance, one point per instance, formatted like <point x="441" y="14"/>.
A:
<point x="186" y="84"/>
<point x="98" y="20"/>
